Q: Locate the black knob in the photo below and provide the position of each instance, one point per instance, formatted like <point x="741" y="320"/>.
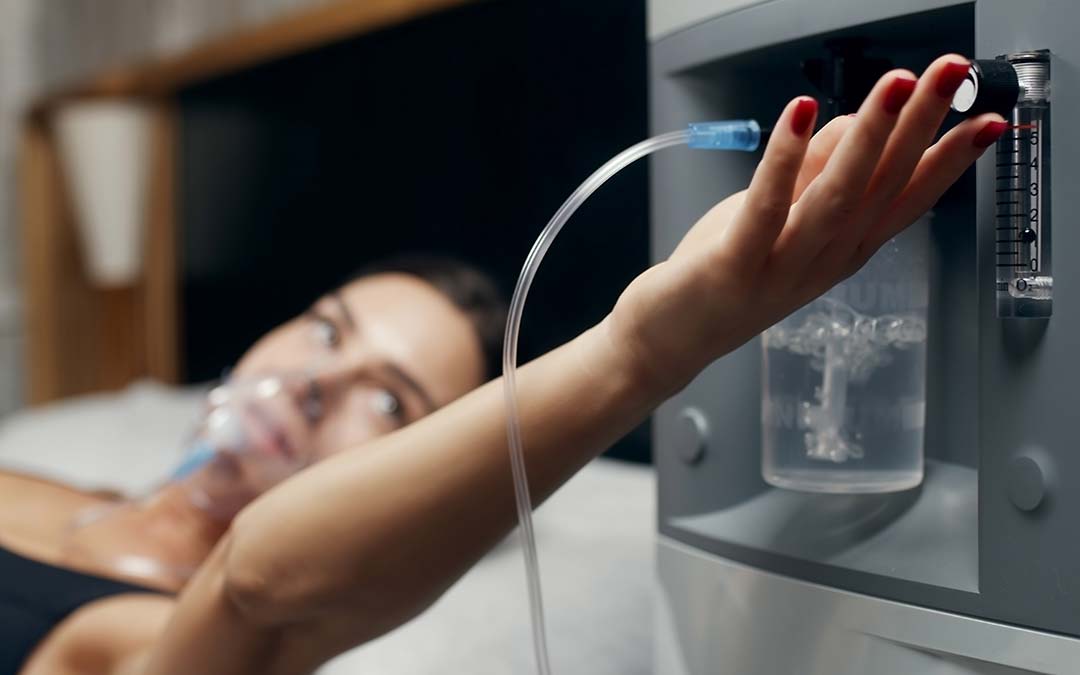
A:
<point x="991" y="86"/>
<point x="1028" y="236"/>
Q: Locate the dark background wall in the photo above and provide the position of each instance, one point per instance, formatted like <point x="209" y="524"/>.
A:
<point x="461" y="133"/>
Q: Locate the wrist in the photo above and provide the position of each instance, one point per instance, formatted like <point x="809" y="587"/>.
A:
<point x="616" y="356"/>
<point x="653" y="332"/>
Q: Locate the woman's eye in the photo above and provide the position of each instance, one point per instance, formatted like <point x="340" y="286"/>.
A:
<point x="385" y="403"/>
<point x="326" y="332"/>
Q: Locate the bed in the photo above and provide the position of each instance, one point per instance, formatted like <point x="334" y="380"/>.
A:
<point x="595" y="538"/>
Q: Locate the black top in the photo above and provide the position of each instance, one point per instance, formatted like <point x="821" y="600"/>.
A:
<point x="35" y="597"/>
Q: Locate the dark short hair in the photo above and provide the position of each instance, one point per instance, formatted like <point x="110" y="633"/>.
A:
<point x="472" y="291"/>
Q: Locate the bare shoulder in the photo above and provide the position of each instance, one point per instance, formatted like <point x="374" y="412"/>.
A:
<point x="20" y="488"/>
<point x="107" y="637"/>
<point x="28" y="483"/>
<point x="35" y="513"/>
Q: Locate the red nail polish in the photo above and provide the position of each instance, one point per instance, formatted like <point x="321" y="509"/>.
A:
<point x="952" y="74"/>
<point x="988" y="134"/>
<point x="803" y="115"/>
<point x="898" y="94"/>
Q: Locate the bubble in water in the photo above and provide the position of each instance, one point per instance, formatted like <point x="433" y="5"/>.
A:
<point x="847" y="347"/>
<point x="860" y="342"/>
<point x="830" y="446"/>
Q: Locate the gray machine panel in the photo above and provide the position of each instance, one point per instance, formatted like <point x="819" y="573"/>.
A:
<point x="1029" y="370"/>
<point x="716" y="617"/>
<point x="998" y="391"/>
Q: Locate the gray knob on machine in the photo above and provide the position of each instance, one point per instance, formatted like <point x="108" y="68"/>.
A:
<point x="991" y="86"/>
<point x="691" y="434"/>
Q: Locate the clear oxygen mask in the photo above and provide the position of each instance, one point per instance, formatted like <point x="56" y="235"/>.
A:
<point x="255" y="432"/>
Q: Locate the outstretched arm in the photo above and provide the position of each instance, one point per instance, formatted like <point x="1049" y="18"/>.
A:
<point x="360" y="543"/>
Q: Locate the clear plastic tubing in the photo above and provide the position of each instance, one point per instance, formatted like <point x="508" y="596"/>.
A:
<point x="743" y="135"/>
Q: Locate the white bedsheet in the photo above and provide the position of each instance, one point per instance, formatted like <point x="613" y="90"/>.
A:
<point x="595" y="538"/>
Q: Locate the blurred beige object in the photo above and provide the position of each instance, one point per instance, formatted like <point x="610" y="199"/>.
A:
<point x="105" y="154"/>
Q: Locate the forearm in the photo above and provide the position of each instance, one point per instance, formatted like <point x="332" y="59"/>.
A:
<point x="382" y="530"/>
<point x="209" y="634"/>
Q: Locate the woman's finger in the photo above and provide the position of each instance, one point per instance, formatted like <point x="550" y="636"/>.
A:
<point x="821" y="148"/>
<point x="941" y="165"/>
<point x="764" y="211"/>
<point x="915" y="130"/>
<point x="833" y="199"/>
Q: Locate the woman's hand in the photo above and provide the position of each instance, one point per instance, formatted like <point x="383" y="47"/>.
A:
<point x="816" y="210"/>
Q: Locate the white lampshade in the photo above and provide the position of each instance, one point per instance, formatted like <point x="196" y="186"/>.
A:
<point x="104" y="148"/>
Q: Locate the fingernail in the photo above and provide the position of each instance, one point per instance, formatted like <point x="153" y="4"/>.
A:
<point x="851" y="114"/>
<point x="988" y="134"/>
<point x="803" y="115"/>
<point x="952" y="74"/>
<point x="898" y="94"/>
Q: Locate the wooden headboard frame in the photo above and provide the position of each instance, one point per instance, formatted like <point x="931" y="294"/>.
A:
<point x="81" y="338"/>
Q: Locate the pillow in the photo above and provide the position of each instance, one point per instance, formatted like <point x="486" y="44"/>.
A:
<point x="125" y="441"/>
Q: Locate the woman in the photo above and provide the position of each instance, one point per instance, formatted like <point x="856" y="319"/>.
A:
<point x="358" y="543"/>
<point x="366" y="357"/>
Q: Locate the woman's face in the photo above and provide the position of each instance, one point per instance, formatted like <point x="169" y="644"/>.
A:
<point x="363" y="361"/>
<point x="384" y="351"/>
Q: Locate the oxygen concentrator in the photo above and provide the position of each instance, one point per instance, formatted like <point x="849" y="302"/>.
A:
<point x="976" y="570"/>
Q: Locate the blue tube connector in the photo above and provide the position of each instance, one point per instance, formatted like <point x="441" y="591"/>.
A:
<point x="197" y="456"/>
<point x="727" y="135"/>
